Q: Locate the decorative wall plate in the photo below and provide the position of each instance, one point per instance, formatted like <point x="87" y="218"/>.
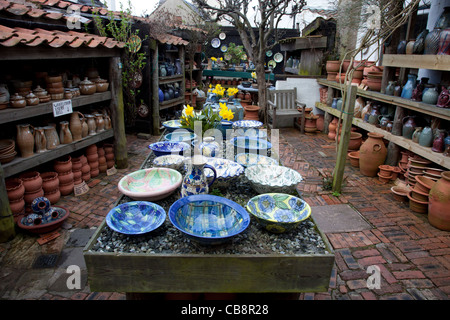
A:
<point x="278" y="57"/>
<point x="272" y="64"/>
<point x="215" y="43"/>
<point x="224" y="48"/>
<point x="227" y="56"/>
<point x="269" y="53"/>
<point x="134" y="43"/>
<point x="222" y="36"/>
<point x="143" y="111"/>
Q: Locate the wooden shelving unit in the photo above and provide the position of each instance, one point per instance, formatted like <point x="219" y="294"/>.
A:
<point x="425" y="61"/>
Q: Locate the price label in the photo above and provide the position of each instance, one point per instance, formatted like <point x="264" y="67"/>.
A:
<point x="111" y="171"/>
<point x="80" y="189"/>
<point x="61" y="108"/>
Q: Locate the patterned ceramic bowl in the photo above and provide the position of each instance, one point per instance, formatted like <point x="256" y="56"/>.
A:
<point x="136" y="217"/>
<point x="150" y="184"/>
<point x="208" y="219"/>
<point x="170" y="161"/>
<point x="172" y="125"/>
<point x="254" y="133"/>
<point x="46" y="226"/>
<point x="163" y="148"/>
<point x="250" y="143"/>
<point x="251" y="159"/>
<point x="278" y="212"/>
<point x="226" y="170"/>
<point x="185" y="136"/>
<point x="247" y="124"/>
<point x="266" y="178"/>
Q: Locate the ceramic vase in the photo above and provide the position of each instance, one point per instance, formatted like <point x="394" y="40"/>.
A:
<point x="408" y="127"/>
<point x="409" y="86"/>
<point x="25" y="139"/>
<point x="195" y="181"/>
<point x="40" y="141"/>
<point x="99" y="122"/>
<point x="76" y="125"/>
<point x="50" y="181"/>
<point x="32" y="181"/>
<point x="92" y="127"/>
<point x="390" y="88"/>
<point x="372" y="154"/>
<point x="439" y="202"/>
<point x="430" y="96"/>
<point x="40" y="205"/>
<point x="52" y="137"/>
<point x="14" y="189"/>
<point x="438" y="143"/>
<point x="416" y="134"/>
<point x="65" y="136"/>
<point x="426" y="137"/>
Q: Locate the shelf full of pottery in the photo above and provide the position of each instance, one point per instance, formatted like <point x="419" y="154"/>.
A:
<point x="25" y="101"/>
<point x="34" y="145"/>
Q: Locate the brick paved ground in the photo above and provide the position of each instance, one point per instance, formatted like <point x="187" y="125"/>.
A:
<point x="413" y="257"/>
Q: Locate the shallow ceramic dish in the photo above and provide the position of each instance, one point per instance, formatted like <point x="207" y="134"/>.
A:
<point x="181" y="136"/>
<point x="45" y="227"/>
<point x="150" y="184"/>
<point x="250" y="143"/>
<point x="163" y="148"/>
<point x="226" y="171"/>
<point x="278" y="212"/>
<point x="246" y="124"/>
<point x="253" y="133"/>
<point x="251" y="159"/>
<point x="136" y="217"/>
<point x="169" y="161"/>
<point x="172" y="125"/>
<point x="266" y="178"/>
<point x="208" y="219"/>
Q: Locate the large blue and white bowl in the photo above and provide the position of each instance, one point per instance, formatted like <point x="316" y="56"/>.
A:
<point x="208" y="219"/>
<point x="172" y="125"/>
<point x="227" y="171"/>
<point x="246" y="144"/>
<point x="181" y="136"/>
<point x="247" y="124"/>
<point x="252" y="159"/>
<point x="162" y="148"/>
<point x="266" y="178"/>
<point x="252" y="132"/>
<point x="136" y="217"/>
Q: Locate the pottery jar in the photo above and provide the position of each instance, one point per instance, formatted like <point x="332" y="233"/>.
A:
<point x="409" y="86"/>
<point x="374" y="115"/>
<point x="25" y="139"/>
<point x="409" y="47"/>
<point x="416" y="134"/>
<point x="17" y="101"/>
<point x="408" y="126"/>
<point x="84" y="128"/>
<point x="14" y="188"/>
<point x="390" y="88"/>
<point x="17" y="206"/>
<point x="31" y="99"/>
<point x="65" y="136"/>
<point x="76" y="126"/>
<point x="31" y="180"/>
<point x="50" y="181"/>
<point x="92" y="127"/>
<point x="65" y="177"/>
<point x="439" y="202"/>
<point x="5" y="91"/>
<point x="108" y="147"/>
<point x="52" y="137"/>
<point x="372" y="154"/>
<point x="30" y="196"/>
<point x="107" y="122"/>
<point x="40" y="141"/>
<point x="426" y="137"/>
<point x="76" y="164"/>
<point x="53" y="196"/>
<point x="91" y="149"/>
<point x="101" y="85"/>
<point x="40" y="205"/>
<point x="99" y="122"/>
<point x="430" y="96"/>
<point x="87" y="87"/>
<point x="63" y="164"/>
<point x="94" y="172"/>
<point x="438" y="143"/>
<point x="66" y="189"/>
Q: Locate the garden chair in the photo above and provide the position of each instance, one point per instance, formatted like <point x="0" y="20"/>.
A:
<point x="283" y="104"/>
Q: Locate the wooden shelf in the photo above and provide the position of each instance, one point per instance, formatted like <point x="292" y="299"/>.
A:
<point x="13" y="114"/>
<point x="408" y="144"/>
<point x="171" y="79"/>
<point x="426" y="61"/>
<point x="170" y="103"/>
<point x="20" y="164"/>
<point x="429" y="109"/>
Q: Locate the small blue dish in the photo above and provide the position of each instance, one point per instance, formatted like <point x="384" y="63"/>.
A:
<point x="136" y="217"/>
<point x="181" y="136"/>
<point x="172" y="125"/>
<point x="208" y="219"/>
<point x="251" y="143"/>
<point x="247" y="124"/>
<point x="163" y="148"/>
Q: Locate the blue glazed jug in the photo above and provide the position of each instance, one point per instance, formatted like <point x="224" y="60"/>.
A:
<point x="195" y="181"/>
<point x="160" y="95"/>
<point x="426" y="137"/>
<point x="409" y="86"/>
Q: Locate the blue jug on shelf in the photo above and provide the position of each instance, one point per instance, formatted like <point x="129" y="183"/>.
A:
<point x="160" y="95"/>
<point x="409" y="86"/>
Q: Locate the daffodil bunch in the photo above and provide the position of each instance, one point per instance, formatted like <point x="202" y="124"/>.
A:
<point x="225" y="112"/>
<point x="219" y="91"/>
<point x="232" y="91"/>
<point x="216" y="59"/>
<point x="254" y="75"/>
<point x="207" y="117"/>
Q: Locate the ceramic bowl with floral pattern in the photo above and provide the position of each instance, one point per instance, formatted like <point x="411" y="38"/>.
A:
<point x="269" y="178"/>
<point x="169" y="161"/>
<point x="251" y="159"/>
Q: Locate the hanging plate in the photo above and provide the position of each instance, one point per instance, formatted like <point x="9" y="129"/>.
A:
<point x="224" y="48"/>
<point x="227" y="56"/>
<point x="278" y="57"/>
<point x="143" y="110"/>
<point x="222" y="36"/>
<point x="244" y="57"/>
<point x="134" y="43"/>
<point x="136" y="80"/>
<point x="215" y="43"/>
<point x="272" y="64"/>
<point x="269" y="53"/>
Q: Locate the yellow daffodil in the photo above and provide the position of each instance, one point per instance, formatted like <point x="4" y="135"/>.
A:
<point x="232" y="91"/>
<point x="189" y="111"/>
<point x="214" y="59"/>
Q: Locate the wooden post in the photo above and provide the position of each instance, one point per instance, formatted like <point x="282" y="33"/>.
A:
<point x="7" y="229"/>
<point x="117" y="108"/>
<point x="155" y="82"/>
<point x="328" y="117"/>
<point x="345" y="137"/>
<point x="393" y="150"/>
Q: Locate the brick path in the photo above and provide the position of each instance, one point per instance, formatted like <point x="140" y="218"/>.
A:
<point x="413" y="257"/>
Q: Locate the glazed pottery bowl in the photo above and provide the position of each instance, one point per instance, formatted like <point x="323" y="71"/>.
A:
<point x="227" y="171"/>
<point x="208" y="219"/>
<point x="251" y="159"/>
<point x="46" y="226"/>
<point x="247" y="124"/>
<point x="278" y="212"/>
<point x="179" y="136"/>
<point x="272" y="179"/>
<point x="254" y="133"/>
<point x="135" y="217"/>
<point x="170" y="161"/>
<point x="250" y="143"/>
<point x="150" y="184"/>
<point x="172" y="125"/>
<point x="163" y="148"/>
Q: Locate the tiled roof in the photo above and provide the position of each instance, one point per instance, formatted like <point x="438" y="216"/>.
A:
<point x="170" y="39"/>
<point x="10" y="37"/>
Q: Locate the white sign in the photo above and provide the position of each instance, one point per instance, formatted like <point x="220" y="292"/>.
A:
<point x="111" y="171"/>
<point x="61" y="108"/>
<point x="80" y="189"/>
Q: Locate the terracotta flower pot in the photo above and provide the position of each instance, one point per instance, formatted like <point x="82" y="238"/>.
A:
<point x="92" y="157"/>
<point x="102" y="168"/>
<point x="332" y="66"/>
<point x="30" y="196"/>
<point x="416" y="205"/>
<point x="110" y="163"/>
<point x="109" y="148"/>
<point x="101" y="160"/>
<point x="93" y="165"/>
<point x="400" y="193"/>
<point x="53" y="196"/>
<point x="31" y="180"/>
<point x="63" y="164"/>
<point x="354" y="158"/>
<point x="424" y="184"/>
<point x="86" y="168"/>
<point x="386" y="170"/>
<point x="251" y="112"/>
<point x="395" y="172"/>
<point x="384" y="179"/>
<point x="92" y="149"/>
<point x="17" y="206"/>
<point x="76" y="164"/>
<point x="100" y="151"/>
<point x="65" y="177"/>
<point x="372" y="154"/>
<point x="95" y="172"/>
<point x="15" y="189"/>
<point x="66" y="189"/>
<point x="439" y="203"/>
<point x="109" y="157"/>
<point x="50" y="181"/>
<point x="86" y="176"/>
<point x="419" y="195"/>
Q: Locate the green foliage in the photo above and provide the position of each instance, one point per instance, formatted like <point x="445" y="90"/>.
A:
<point x="236" y="52"/>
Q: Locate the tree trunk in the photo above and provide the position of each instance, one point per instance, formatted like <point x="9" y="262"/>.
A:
<point x="262" y="96"/>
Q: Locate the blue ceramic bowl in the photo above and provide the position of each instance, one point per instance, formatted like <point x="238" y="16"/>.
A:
<point x="250" y="143"/>
<point x="180" y="136"/>
<point x="163" y="148"/>
<point x="208" y="219"/>
<point x="251" y="159"/>
<point x="252" y="132"/>
<point x="247" y="124"/>
<point x="172" y="125"/>
<point x="278" y="212"/>
<point x="136" y="217"/>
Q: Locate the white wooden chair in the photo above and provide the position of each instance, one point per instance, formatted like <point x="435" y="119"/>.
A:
<point x="282" y="104"/>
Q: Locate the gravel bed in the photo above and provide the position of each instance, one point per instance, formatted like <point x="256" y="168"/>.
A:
<point x="254" y="240"/>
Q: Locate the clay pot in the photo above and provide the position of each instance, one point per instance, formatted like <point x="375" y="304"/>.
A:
<point x="354" y="158"/>
<point x="83" y="159"/>
<point x="77" y="176"/>
<point x="86" y="168"/>
<point x="32" y="181"/>
<point x="110" y="164"/>
<point x="63" y="164"/>
<point x="424" y="184"/>
<point x="65" y="177"/>
<point x="439" y="203"/>
<point x="416" y="205"/>
<point x="102" y="168"/>
<point x="94" y="173"/>
<point x="100" y="151"/>
<point x="40" y="141"/>
<point x="17" y="101"/>
<point x="384" y="179"/>
<point x="102" y="160"/>
<point x="101" y="85"/>
<point x="320" y="122"/>
<point x="15" y="189"/>
<point x="50" y="181"/>
<point x="75" y="125"/>
<point x="374" y="84"/>
<point x="17" y="206"/>
<point x="251" y="112"/>
<point x="400" y="193"/>
<point x="99" y="122"/>
<point x="66" y="189"/>
<point x="372" y="154"/>
<point x="53" y="196"/>
<point x="92" y="127"/>
<point x="331" y="76"/>
<point x="52" y="137"/>
<point x="65" y="136"/>
<point x="395" y="172"/>
<point x="355" y="140"/>
<point x="25" y="139"/>
<point x="332" y="66"/>
<point x="30" y="196"/>
<point x="76" y="164"/>
<point x="109" y="157"/>
<point x="93" y="165"/>
<point x="87" y="87"/>
<point x="86" y="176"/>
<point x="385" y="170"/>
<point x="92" y="158"/>
<point x="419" y="195"/>
<point x="92" y="149"/>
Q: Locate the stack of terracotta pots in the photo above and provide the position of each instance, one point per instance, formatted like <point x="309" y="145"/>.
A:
<point x="310" y="123"/>
<point x="109" y="155"/>
<point x="332" y="67"/>
<point x="55" y="87"/>
<point x="332" y="129"/>
<point x="50" y="185"/>
<point x="76" y="169"/>
<point x="385" y="173"/>
<point x="16" y="190"/>
<point x="92" y="157"/>
<point x="32" y="182"/>
<point x="102" y="167"/>
<point x="63" y="167"/>
<point x="85" y="168"/>
<point x="251" y="112"/>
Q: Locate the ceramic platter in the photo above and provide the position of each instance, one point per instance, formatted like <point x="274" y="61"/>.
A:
<point x="247" y="124"/>
<point x="278" y="57"/>
<point x="222" y="36"/>
<point x="224" y="48"/>
<point x="272" y="64"/>
<point x="215" y="43"/>
<point x="227" y="56"/>
<point x="269" y="53"/>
